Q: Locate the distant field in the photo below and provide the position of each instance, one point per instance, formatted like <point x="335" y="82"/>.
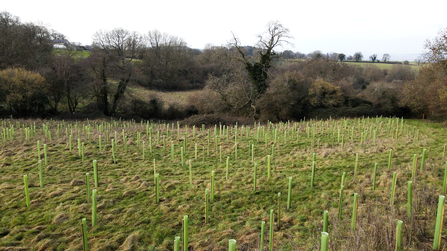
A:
<point x="179" y="97"/>
<point x="79" y="54"/>
<point x="381" y="65"/>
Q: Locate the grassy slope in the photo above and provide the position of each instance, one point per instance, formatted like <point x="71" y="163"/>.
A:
<point x="179" y="97"/>
<point x="129" y="218"/>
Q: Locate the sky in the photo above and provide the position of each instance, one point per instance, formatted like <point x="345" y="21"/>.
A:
<point x="372" y="27"/>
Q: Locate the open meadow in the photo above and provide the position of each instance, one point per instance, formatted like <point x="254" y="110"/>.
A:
<point x="382" y="66"/>
<point x="137" y="185"/>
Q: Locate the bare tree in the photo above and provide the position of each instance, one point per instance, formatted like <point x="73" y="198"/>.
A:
<point x="275" y="35"/>
<point x="167" y="61"/>
<point x="23" y="45"/>
<point x="358" y="56"/>
<point x="437" y="49"/>
<point x="115" y="50"/>
<point x="316" y="54"/>
<point x="67" y="80"/>
<point x="373" y="57"/>
<point x="386" y="57"/>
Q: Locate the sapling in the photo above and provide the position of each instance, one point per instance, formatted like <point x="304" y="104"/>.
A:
<point x="195" y="152"/>
<point x="252" y="152"/>
<point x="40" y="173"/>
<point x="45" y="152"/>
<point x="228" y="167"/>
<point x="212" y="186"/>
<point x="389" y="158"/>
<point x="143" y="150"/>
<point x="232" y="245"/>
<point x="182" y="155"/>
<point x="94" y="208"/>
<point x="190" y="173"/>
<point x="113" y="151"/>
<point x="25" y="182"/>
<point x="70" y="138"/>
<point x="398" y="235"/>
<point x="262" y="235"/>
<point x="271" y="231"/>
<point x="279" y="211"/>
<point x="206" y="204"/>
<point x="84" y="233"/>
<point x="325" y="220"/>
<point x="177" y="243"/>
<point x="439" y="222"/>
<point x="409" y="199"/>
<point x="100" y="143"/>
<point x="354" y="212"/>
<point x="289" y="193"/>
<point x="185" y="233"/>
<point x="95" y="173"/>
<point x="356" y="163"/>
<point x="423" y="159"/>
<point x="324" y="241"/>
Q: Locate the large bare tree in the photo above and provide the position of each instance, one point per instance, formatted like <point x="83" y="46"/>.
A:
<point x="275" y="35"/>
<point x="167" y="61"/>
<point x="113" y="55"/>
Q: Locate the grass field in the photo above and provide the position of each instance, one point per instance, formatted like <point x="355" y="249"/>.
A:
<point x="382" y="65"/>
<point x="130" y="218"/>
<point x="178" y="97"/>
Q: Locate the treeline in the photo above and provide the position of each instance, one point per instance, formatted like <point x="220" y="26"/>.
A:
<point x="36" y="79"/>
<point x="310" y="88"/>
<point x="241" y="81"/>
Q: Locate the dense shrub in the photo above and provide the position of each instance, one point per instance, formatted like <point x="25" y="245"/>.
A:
<point x="400" y="72"/>
<point x="322" y="94"/>
<point x="25" y="91"/>
<point x="284" y="98"/>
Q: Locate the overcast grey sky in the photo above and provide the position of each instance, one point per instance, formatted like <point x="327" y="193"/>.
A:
<point x="344" y="26"/>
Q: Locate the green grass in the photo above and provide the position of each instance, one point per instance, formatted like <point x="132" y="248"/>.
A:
<point x="129" y="218"/>
<point x="76" y="54"/>
<point x="382" y="65"/>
